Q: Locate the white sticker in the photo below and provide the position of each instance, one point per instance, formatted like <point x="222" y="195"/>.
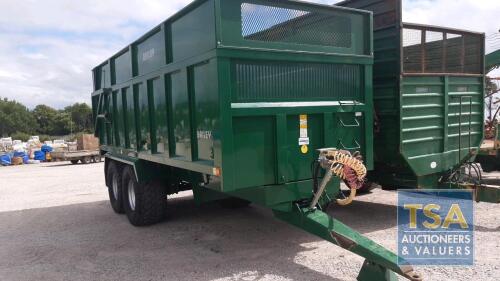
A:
<point x="303" y="141"/>
<point x="148" y="54"/>
<point x="358" y="114"/>
<point x="303" y="133"/>
<point x="303" y="138"/>
<point x="433" y="165"/>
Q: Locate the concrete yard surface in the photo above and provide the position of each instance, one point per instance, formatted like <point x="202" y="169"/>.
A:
<point x="56" y="224"/>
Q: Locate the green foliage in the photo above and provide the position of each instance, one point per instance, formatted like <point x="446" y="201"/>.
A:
<point x="17" y="119"/>
<point x="20" y="136"/>
<point x="45" y="116"/>
<point x="61" y="124"/>
<point x="44" y="138"/>
<point x="81" y="115"/>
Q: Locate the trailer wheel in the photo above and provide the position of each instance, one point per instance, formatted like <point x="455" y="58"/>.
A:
<point x="487" y="166"/>
<point x="74" y="162"/>
<point x="233" y="203"/>
<point x="488" y="163"/>
<point x="96" y="159"/>
<point x="115" y="189"/>
<point x="85" y="160"/>
<point x="144" y="203"/>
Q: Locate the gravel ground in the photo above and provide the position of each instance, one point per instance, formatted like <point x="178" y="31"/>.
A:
<point x="56" y="224"/>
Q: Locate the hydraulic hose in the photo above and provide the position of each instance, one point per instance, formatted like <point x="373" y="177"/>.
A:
<point x="345" y="166"/>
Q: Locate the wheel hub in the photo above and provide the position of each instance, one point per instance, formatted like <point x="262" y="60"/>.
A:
<point x="131" y="195"/>
<point x="114" y="185"/>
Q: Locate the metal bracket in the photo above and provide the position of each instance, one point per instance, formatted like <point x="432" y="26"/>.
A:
<point x="346" y="103"/>
<point x="349" y="125"/>
<point x="358" y="146"/>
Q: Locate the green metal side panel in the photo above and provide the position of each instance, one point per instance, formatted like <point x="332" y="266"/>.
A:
<point x="255" y="150"/>
<point x="440" y="115"/>
<point x="108" y="126"/>
<point x="266" y="140"/>
<point x="386" y="76"/>
<point x="118" y="120"/>
<point x="99" y="129"/>
<point x="156" y="88"/>
<point x="194" y="33"/>
<point x="206" y="107"/>
<point x="297" y="160"/>
<point x="123" y="67"/>
<point x="102" y="76"/>
<point x="129" y="112"/>
<point x="181" y="121"/>
<point x="386" y="95"/>
<point x="143" y="118"/>
<point x="151" y="53"/>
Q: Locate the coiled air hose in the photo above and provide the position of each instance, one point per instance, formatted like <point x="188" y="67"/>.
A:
<point x="346" y="166"/>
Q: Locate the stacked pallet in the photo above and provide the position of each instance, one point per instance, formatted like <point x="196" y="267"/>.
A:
<point x="87" y="142"/>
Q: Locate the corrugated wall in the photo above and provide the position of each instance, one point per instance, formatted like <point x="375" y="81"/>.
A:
<point x="289" y="81"/>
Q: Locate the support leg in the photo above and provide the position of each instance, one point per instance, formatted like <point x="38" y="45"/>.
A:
<point x="372" y="271"/>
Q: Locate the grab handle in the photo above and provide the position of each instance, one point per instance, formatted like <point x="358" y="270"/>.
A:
<point x="350" y="148"/>
<point x="356" y="124"/>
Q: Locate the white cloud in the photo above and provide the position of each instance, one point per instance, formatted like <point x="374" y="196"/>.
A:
<point x="473" y="15"/>
<point x="47" y="48"/>
<point x="84" y="16"/>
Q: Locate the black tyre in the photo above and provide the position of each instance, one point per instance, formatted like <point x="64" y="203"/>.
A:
<point x="96" y="159"/>
<point x="488" y="167"/>
<point x="74" y="162"/>
<point x="85" y="160"/>
<point x="144" y="203"/>
<point x="488" y="163"/>
<point x="115" y="190"/>
<point x="233" y="203"/>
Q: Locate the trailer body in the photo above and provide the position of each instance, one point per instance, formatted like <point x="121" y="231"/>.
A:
<point x="428" y="97"/>
<point x="234" y="98"/>
<point x="216" y="90"/>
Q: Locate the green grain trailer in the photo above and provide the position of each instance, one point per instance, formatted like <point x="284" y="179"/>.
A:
<point x="236" y="99"/>
<point x="428" y="97"/>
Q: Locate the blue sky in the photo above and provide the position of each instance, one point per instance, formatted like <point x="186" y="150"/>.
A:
<point x="47" y="48"/>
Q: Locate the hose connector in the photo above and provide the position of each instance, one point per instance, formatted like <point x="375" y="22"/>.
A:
<point x="346" y="166"/>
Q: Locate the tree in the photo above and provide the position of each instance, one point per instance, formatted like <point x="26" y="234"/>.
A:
<point x="43" y="119"/>
<point x="81" y="115"/>
<point x="53" y="122"/>
<point x="15" y="117"/>
<point x="45" y="116"/>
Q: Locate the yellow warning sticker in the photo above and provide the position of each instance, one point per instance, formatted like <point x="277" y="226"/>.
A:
<point x="303" y="138"/>
<point x="303" y="121"/>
